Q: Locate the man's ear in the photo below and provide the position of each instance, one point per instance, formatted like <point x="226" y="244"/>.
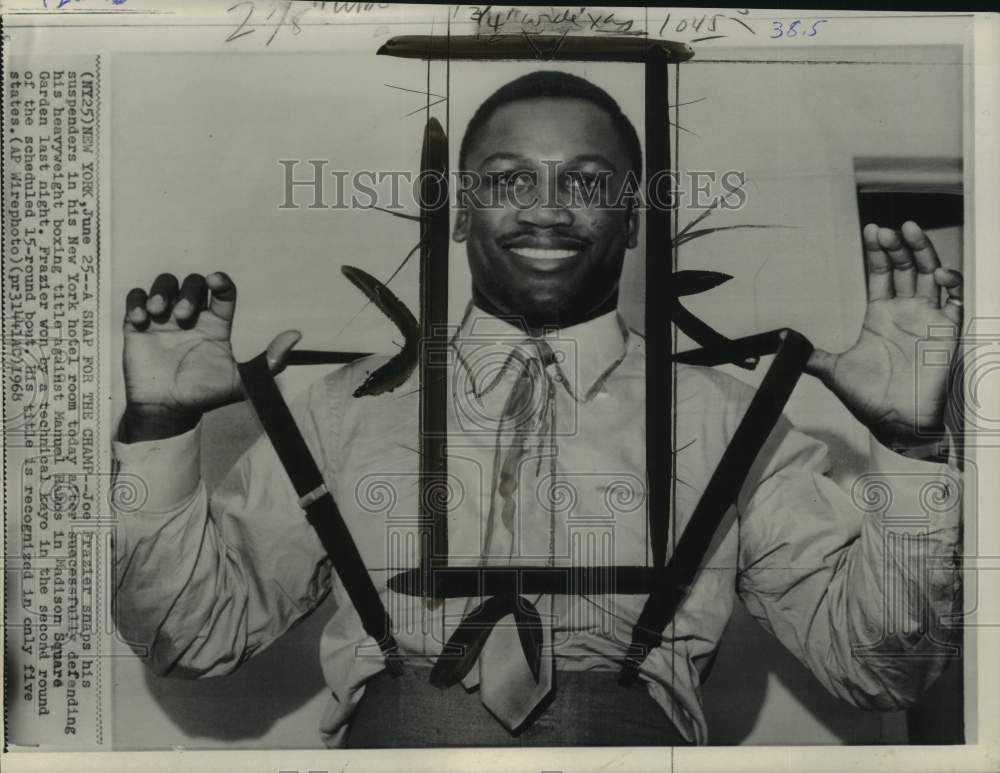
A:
<point x="461" y="230"/>
<point x="632" y="226"/>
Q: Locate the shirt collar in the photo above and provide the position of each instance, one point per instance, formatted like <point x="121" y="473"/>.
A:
<point x="586" y="354"/>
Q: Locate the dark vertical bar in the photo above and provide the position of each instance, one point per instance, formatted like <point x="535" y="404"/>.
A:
<point x="659" y="249"/>
<point x="434" y="227"/>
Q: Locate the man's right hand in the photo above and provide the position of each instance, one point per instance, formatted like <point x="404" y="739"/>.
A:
<point x="178" y="358"/>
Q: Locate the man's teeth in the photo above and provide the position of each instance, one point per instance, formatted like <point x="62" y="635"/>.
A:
<point x="542" y="253"/>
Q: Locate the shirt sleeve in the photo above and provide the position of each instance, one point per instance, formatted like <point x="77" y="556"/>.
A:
<point x="858" y="584"/>
<point x="205" y="581"/>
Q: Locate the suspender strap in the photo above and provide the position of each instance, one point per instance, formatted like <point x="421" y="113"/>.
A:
<point x="449" y="582"/>
<point x="708" y="338"/>
<point x="434" y="387"/>
<point x="659" y="269"/>
<point x="321" y="509"/>
<point x="724" y="486"/>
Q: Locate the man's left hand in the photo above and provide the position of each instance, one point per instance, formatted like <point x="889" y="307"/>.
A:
<point x="882" y="379"/>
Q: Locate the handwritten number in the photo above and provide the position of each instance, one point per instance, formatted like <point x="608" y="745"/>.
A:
<point x="281" y="21"/>
<point x="296" y="27"/>
<point x="812" y="32"/>
<point x="792" y="30"/>
<point x="239" y="32"/>
<point x="694" y="24"/>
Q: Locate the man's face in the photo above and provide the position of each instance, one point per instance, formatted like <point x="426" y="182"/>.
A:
<point x="540" y="243"/>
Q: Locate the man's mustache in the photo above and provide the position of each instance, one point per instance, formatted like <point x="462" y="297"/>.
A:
<point x="545" y="238"/>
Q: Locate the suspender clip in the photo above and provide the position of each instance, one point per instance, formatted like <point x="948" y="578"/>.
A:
<point x="320" y="491"/>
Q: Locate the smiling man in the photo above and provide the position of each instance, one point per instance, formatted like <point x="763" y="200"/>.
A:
<point x="546" y="452"/>
<point x="534" y="251"/>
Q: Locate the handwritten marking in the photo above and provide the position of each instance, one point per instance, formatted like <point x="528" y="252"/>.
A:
<point x="792" y="30"/>
<point x="64" y="3"/>
<point x="286" y="17"/>
<point x="285" y="21"/>
<point x="346" y="8"/>
<point x="492" y="22"/>
<point x="712" y="23"/>
<point x="239" y="32"/>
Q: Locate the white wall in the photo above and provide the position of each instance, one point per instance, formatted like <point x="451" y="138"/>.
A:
<point x="796" y="129"/>
<point x="201" y="194"/>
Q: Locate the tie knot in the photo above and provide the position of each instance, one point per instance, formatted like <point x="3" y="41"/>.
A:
<point x="544" y="351"/>
<point x="528" y="359"/>
<point x="534" y="350"/>
<point x="528" y="402"/>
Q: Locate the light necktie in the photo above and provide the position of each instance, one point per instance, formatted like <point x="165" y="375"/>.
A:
<point x="510" y="688"/>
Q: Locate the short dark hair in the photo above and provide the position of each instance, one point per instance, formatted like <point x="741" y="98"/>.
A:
<point x="553" y="84"/>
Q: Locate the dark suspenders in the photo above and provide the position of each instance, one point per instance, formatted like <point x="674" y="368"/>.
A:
<point x="666" y="582"/>
<point x="667" y="586"/>
<point x="723" y="487"/>
<point x="321" y="509"/>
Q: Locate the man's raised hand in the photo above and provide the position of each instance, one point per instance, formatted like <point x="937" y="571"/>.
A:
<point x="882" y="379"/>
<point x="178" y="358"/>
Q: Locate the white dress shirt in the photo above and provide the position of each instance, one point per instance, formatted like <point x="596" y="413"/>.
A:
<point x="853" y="586"/>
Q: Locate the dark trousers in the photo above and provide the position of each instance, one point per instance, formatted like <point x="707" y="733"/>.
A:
<point x="588" y="708"/>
